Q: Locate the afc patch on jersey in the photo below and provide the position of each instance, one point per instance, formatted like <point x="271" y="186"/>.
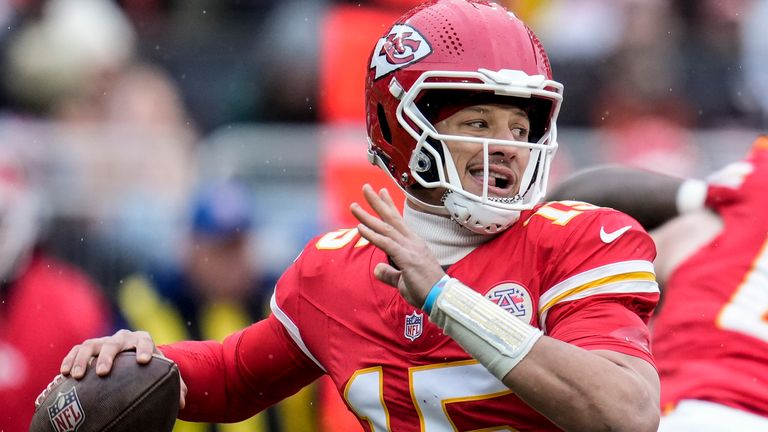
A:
<point x="414" y="324"/>
<point x="513" y="298"/>
<point x="65" y="412"/>
<point x="401" y="47"/>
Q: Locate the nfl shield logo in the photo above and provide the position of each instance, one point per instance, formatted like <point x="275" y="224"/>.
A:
<point x="65" y="412"/>
<point x="413" y="325"/>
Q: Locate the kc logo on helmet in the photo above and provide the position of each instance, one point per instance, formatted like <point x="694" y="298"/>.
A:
<point x="65" y="412"/>
<point x="401" y="47"/>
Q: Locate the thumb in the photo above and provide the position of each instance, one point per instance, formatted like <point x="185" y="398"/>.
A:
<point x="182" y="394"/>
<point x="387" y="274"/>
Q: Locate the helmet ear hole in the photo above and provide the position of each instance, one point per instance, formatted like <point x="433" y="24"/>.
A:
<point x="427" y="162"/>
<point x="386" y="133"/>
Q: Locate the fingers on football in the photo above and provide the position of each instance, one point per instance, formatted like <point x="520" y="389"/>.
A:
<point x="109" y="348"/>
<point x="145" y="346"/>
<point x="69" y="359"/>
<point x="77" y="360"/>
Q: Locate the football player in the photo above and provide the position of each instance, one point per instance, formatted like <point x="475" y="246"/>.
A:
<point x="479" y="308"/>
<point x="710" y="338"/>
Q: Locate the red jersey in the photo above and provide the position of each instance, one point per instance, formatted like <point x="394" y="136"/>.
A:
<point x="49" y="309"/>
<point x="581" y="273"/>
<point x="711" y="335"/>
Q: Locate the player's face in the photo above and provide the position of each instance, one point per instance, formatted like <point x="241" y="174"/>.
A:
<point x="506" y="163"/>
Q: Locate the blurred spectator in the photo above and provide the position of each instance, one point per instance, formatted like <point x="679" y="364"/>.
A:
<point x="284" y="64"/>
<point x="685" y="54"/>
<point x="579" y="35"/>
<point x="641" y="110"/>
<point x="711" y="57"/>
<point x="62" y="62"/>
<point x="214" y="288"/>
<point x="262" y="60"/>
<point x="45" y="304"/>
<point x="755" y="57"/>
<point x="207" y="46"/>
<point x="110" y="128"/>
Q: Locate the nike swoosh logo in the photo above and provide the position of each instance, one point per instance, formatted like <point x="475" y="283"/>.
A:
<point x="610" y="237"/>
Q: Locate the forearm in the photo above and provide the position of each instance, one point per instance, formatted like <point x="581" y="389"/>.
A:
<point x="582" y="390"/>
<point x="202" y="367"/>
<point x="574" y="388"/>
<point x="649" y="197"/>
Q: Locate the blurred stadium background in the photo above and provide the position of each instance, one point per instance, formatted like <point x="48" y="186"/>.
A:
<point x="121" y="109"/>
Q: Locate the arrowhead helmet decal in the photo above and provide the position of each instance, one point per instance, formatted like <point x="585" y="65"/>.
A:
<point x="403" y="45"/>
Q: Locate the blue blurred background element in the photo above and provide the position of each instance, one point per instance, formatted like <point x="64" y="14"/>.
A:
<point x="221" y="210"/>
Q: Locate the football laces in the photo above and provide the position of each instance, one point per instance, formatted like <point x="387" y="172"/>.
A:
<point x="47" y="390"/>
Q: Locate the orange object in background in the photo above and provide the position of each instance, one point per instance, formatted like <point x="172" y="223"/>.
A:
<point x="334" y="414"/>
<point x="345" y="169"/>
<point x="349" y="34"/>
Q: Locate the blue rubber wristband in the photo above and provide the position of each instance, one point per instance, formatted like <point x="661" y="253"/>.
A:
<point x="434" y="292"/>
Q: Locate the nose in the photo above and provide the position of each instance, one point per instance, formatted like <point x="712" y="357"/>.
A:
<point x="505" y="133"/>
<point x="503" y="152"/>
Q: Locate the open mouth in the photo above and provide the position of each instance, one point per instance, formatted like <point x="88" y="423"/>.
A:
<point x="500" y="180"/>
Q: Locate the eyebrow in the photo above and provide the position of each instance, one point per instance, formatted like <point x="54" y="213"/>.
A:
<point x="482" y="108"/>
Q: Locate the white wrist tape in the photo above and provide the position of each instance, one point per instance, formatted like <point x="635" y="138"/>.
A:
<point x="691" y="196"/>
<point x="493" y="336"/>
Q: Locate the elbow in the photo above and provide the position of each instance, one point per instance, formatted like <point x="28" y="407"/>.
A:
<point x="634" y="414"/>
<point x="638" y="415"/>
<point x="636" y="421"/>
<point x="646" y="422"/>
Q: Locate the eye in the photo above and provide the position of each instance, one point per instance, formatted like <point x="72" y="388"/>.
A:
<point x="476" y="124"/>
<point x="520" y="133"/>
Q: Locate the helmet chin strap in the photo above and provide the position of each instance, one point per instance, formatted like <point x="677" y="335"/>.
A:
<point x="476" y="217"/>
<point x="425" y="207"/>
<point x="471" y="214"/>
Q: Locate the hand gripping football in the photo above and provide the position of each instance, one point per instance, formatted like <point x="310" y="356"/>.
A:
<point x="133" y="397"/>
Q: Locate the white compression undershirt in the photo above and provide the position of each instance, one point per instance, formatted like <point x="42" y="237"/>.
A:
<point x="448" y="241"/>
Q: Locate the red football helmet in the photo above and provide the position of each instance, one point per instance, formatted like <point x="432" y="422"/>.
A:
<point x="465" y="48"/>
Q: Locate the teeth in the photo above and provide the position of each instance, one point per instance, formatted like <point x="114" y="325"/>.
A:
<point x="491" y="174"/>
<point x="495" y="179"/>
<point x="497" y="176"/>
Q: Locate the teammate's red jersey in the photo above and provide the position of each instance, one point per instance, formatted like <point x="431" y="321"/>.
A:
<point x="581" y="273"/>
<point x="711" y="335"/>
<point x="47" y="310"/>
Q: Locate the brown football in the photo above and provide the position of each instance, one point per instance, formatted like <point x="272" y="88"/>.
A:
<point x="132" y="397"/>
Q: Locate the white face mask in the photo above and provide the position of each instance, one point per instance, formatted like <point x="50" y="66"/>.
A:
<point x="480" y="213"/>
